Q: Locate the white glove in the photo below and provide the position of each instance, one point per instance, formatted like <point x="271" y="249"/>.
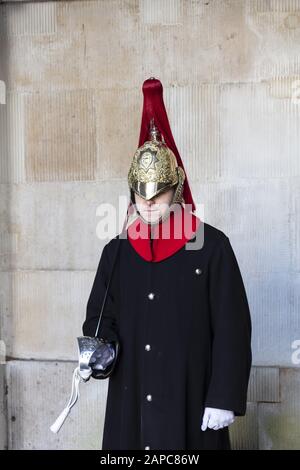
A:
<point x="214" y="418"/>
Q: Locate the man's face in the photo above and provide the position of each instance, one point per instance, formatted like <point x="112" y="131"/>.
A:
<point x="155" y="207"/>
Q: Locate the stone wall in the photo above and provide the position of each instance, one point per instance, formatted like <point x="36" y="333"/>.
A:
<point x="69" y="126"/>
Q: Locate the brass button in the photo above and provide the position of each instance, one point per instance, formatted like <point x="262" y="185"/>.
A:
<point x="198" y="271"/>
<point x="149" y="397"/>
<point x="151" y="296"/>
<point x="147" y="347"/>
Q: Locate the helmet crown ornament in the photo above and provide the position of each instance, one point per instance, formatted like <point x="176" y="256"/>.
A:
<point x="154" y="168"/>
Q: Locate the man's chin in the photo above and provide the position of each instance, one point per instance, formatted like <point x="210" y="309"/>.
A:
<point x="151" y="218"/>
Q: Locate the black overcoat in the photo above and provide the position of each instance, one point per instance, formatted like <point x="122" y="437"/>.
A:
<point x="185" y="347"/>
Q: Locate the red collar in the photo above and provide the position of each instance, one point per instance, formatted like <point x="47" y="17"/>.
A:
<point x="165" y="243"/>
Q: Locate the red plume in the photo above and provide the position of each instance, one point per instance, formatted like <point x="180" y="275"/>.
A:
<point x="154" y="108"/>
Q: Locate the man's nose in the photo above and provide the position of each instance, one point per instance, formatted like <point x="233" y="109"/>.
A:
<point x="150" y="202"/>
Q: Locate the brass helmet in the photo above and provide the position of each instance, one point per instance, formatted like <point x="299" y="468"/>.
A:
<point x="154" y="168"/>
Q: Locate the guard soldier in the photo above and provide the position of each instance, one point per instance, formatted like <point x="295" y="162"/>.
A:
<point x="181" y="315"/>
